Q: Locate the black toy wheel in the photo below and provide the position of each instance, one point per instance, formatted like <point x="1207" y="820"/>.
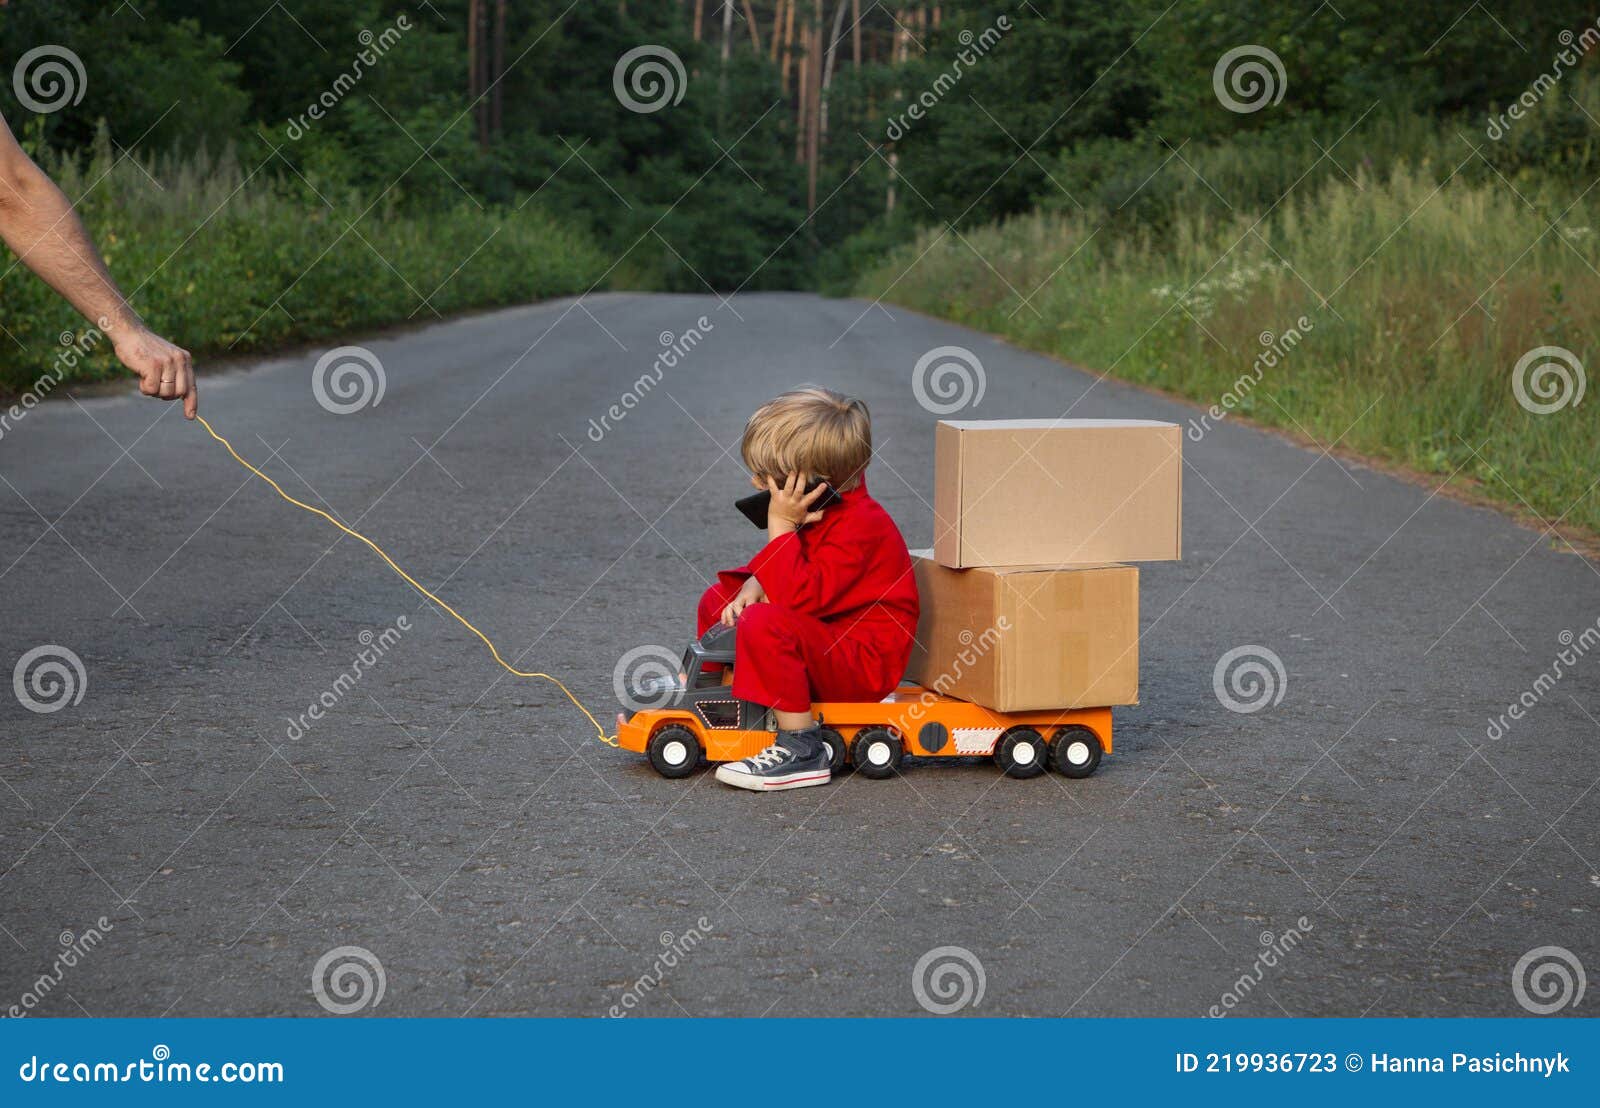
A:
<point x="1021" y="752"/>
<point x="674" y="751"/>
<point x="1076" y="751"/>
<point x="836" y="748"/>
<point x="877" y="752"/>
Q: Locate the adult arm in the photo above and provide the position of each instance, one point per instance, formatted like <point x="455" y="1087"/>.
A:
<point x="38" y="223"/>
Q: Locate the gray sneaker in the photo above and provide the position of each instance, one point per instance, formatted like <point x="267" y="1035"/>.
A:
<point x="795" y="760"/>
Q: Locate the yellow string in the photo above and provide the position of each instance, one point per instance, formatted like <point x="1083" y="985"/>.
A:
<point x="414" y="583"/>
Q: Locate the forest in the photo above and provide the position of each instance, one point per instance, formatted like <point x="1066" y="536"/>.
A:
<point x="1049" y="169"/>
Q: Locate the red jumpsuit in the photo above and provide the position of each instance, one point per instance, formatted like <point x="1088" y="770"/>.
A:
<point x="840" y="614"/>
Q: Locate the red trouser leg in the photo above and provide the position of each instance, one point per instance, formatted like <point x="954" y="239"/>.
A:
<point x="785" y="660"/>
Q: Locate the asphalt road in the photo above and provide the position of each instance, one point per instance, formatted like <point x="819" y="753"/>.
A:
<point x="467" y="830"/>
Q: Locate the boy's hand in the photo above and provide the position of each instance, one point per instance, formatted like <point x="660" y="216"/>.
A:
<point x="749" y="593"/>
<point x="791" y="505"/>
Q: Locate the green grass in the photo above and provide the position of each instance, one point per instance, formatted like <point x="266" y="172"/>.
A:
<point x="225" y="262"/>
<point x="1435" y="284"/>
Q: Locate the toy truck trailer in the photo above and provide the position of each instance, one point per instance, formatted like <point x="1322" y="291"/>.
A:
<point x="699" y="720"/>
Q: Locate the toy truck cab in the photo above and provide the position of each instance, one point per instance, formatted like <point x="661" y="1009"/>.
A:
<point x="679" y="721"/>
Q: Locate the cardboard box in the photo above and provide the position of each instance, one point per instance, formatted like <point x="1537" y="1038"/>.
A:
<point x="1057" y="491"/>
<point x="1018" y="638"/>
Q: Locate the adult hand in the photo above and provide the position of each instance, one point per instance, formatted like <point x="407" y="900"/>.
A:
<point x="790" y="509"/>
<point x="164" y="370"/>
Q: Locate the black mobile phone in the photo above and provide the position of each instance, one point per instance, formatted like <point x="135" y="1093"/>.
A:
<point x="755" y="505"/>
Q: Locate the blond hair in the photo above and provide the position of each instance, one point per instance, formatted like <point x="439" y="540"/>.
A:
<point x="812" y="431"/>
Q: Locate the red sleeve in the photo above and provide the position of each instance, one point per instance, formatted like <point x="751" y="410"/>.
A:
<point x="734" y="578"/>
<point x="813" y="584"/>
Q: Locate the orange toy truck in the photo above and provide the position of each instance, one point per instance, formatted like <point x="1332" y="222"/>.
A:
<point x="679" y="721"/>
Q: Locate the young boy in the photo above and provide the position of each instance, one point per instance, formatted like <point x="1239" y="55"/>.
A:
<point x="827" y="609"/>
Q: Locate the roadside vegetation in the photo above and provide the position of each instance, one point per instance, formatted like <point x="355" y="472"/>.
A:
<point x="230" y="263"/>
<point x="1414" y="270"/>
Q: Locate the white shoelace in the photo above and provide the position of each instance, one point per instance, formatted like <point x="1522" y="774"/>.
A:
<point x="771" y="756"/>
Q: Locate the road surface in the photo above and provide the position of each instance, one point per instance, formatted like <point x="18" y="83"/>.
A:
<point x="1359" y="847"/>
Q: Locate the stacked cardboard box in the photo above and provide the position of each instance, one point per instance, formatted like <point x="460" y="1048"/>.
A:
<point x="1025" y="602"/>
